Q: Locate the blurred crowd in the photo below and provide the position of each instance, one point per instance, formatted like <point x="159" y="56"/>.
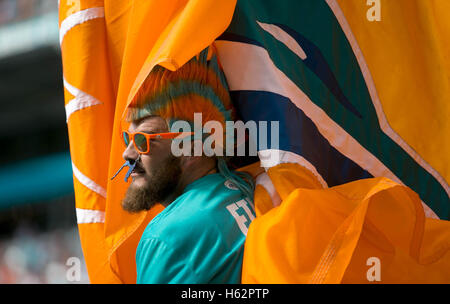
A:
<point x="37" y="240"/>
<point x="19" y="10"/>
<point x="33" y="257"/>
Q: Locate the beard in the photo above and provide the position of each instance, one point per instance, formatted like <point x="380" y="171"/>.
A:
<point x="162" y="182"/>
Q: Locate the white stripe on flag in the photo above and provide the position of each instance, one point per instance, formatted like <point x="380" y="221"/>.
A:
<point x="86" y="181"/>
<point x="272" y="157"/>
<point x="79" y="18"/>
<point x="284" y="38"/>
<point x="264" y="180"/>
<point x="82" y="100"/>
<point x="86" y="216"/>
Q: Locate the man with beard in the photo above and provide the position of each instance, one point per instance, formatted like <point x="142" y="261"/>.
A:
<point x="199" y="236"/>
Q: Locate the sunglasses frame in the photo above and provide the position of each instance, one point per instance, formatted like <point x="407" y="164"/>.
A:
<point x="167" y="135"/>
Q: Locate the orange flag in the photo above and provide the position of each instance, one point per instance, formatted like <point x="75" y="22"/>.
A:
<point x="108" y="48"/>
<point x="344" y="92"/>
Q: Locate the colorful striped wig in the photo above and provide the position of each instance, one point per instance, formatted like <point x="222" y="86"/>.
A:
<point x="199" y="86"/>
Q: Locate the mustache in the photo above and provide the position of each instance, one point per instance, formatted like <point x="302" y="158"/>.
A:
<point x="138" y="166"/>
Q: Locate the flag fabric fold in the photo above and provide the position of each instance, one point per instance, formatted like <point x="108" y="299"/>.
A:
<point x="333" y="235"/>
<point x="362" y="108"/>
<point x="108" y="48"/>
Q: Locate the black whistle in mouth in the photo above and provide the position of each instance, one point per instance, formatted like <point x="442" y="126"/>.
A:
<point x="131" y="165"/>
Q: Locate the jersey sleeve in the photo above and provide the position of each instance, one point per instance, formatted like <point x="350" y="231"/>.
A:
<point x="159" y="263"/>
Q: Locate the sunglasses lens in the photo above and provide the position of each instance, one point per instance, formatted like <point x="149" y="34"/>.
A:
<point x="126" y="139"/>
<point x="141" y="142"/>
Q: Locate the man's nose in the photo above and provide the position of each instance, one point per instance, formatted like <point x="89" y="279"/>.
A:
<point x="130" y="152"/>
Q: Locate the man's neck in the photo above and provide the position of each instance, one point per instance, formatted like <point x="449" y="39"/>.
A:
<point x="188" y="179"/>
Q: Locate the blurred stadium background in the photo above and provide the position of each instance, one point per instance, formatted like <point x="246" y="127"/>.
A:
<point x="38" y="231"/>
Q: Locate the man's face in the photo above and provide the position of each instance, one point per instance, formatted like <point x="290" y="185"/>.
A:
<point x="157" y="173"/>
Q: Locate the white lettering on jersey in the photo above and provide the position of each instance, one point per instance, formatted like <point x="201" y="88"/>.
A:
<point x="241" y="220"/>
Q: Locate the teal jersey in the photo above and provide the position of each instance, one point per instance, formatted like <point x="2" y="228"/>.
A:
<point x="199" y="238"/>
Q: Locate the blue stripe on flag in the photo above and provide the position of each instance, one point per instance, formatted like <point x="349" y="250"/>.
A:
<point x="227" y="36"/>
<point x="298" y="134"/>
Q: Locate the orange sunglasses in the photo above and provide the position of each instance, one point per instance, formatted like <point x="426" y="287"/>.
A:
<point x="141" y="140"/>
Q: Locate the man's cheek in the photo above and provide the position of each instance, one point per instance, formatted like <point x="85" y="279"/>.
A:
<point x="149" y="168"/>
